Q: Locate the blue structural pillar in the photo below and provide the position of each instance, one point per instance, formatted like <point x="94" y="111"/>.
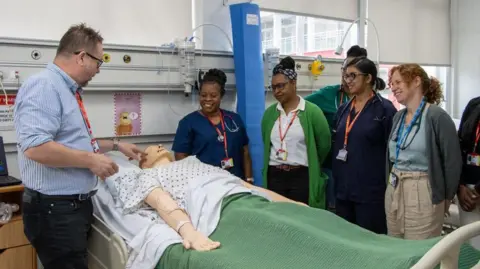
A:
<point x="247" y="55"/>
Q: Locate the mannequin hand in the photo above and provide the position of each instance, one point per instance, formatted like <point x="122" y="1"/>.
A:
<point x="197" y="241"/>
<point x="131" y="151"/>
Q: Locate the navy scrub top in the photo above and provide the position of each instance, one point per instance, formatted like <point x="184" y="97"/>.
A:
<point x="362" y="177"/>
<point x="196" y="136"/>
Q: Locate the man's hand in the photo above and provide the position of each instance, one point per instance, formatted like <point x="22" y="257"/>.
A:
<point x="131" y="151"/>
<point x="102" y="166"/>
<point x="468" y="198"/>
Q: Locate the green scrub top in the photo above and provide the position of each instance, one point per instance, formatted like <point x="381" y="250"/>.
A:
<point x="328" y="99"/>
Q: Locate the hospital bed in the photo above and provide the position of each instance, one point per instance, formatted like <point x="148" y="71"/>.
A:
<point x="108" y="248"/>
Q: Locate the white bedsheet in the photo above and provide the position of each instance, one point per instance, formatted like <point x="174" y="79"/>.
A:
<point x="149" y="240"/>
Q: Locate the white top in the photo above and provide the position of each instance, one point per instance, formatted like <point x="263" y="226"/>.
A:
<point x="294" y="140"/>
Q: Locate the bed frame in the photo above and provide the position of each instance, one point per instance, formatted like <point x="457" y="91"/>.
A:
<point x="108" y="250"/>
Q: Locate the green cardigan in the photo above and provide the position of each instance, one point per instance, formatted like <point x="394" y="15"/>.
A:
<point x="318" y="141"/>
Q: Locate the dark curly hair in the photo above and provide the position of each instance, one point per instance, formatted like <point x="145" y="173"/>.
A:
<point x="431" y="87"/>
<point x="356" y="51"/>
<point x="215" y="76"/>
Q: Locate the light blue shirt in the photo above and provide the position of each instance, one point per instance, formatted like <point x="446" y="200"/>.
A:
<point x="46" y="110"/>
<point x="414" y="157"/>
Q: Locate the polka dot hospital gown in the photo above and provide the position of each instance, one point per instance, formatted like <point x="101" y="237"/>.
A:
<point x="134" y="187"/>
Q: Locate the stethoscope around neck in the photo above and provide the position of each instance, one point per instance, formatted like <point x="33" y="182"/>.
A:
<point x="232" y="129"/>
<point x="345" y="108"/>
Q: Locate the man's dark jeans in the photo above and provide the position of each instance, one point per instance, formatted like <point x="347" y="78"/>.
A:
<point x="58" y="229"/>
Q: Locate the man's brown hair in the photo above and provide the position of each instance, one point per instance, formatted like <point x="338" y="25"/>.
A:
<point x="79" y="37"/>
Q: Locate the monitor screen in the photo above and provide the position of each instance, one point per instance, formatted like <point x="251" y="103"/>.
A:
<point x="3" y="159"/>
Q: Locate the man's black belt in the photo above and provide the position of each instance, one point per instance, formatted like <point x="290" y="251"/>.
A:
<point x="77" y="197"/>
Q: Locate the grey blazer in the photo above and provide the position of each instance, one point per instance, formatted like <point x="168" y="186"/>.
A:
<point x="443" y="153"/>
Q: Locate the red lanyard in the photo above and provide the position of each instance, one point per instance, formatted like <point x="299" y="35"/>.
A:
<point x="222" y="133"/>
<point x="477" y="137"/>
<point x="349" y="125"/>
<point x="95" y="146"/>
<point x="282" y="137"/>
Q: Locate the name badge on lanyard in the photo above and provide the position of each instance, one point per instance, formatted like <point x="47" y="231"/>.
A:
<point x="93" y="141"/>
<point x="342" y="153"/>
<point x="282" y="153"/>
<point x="402" y="137"/>
<point x="227" y="162"/>
<point x="473" y="158"/>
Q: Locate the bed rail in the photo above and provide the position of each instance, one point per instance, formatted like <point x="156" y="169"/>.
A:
<point x="447" y="250"/>
<point x="106" y="249"/>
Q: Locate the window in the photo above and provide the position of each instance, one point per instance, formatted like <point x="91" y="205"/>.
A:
<point x="439" y="72"/>
<point x="305" y="36"/>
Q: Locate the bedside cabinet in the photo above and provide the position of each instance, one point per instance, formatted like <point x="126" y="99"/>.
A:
<point x="15" y="250"/>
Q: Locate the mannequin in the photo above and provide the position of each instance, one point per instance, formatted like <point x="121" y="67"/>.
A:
<point x="172" y="212"/>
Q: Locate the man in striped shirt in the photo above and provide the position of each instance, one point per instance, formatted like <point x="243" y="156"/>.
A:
<point x="59" y="157"/>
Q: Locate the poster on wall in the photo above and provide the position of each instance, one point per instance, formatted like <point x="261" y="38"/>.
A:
<point x="128" y="113"/>
<point x="6" y="112"/>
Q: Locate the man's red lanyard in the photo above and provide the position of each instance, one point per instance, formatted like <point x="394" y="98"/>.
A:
<point x="222" y="133"/>
<point x="282" y="136"/>
<point x="94" y="142"/>
<point x="349" y="125"/>
<point x="477" y="137"/>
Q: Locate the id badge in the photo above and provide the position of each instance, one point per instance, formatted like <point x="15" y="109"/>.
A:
<point x="96" y="147"/>
<point x="393" y="180"/>
<point x="227" y="163"/>
<point x="342" y="155"/>
<point x="281" y="155"/>
<point x="473" y="159"/>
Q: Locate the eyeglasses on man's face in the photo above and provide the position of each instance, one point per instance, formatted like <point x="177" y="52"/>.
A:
<point x="99" y="61"/>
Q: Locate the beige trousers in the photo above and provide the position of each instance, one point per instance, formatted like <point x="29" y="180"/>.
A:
<point x="409" y="209"/>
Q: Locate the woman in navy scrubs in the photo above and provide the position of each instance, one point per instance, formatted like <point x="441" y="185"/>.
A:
<point x="214" y="135"/>
<point x="359" y="150"/>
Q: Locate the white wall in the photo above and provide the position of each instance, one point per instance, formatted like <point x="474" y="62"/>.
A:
<point x="465" y="53"/>
<point x="141" y="22"/>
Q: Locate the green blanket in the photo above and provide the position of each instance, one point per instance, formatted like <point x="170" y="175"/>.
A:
<point x="257" y="234"/>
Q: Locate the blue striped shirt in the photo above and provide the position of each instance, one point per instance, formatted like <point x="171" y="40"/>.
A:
<point x="46" y="110"/>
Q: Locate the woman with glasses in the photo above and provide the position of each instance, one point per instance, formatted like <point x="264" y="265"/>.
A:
<point x="296" y="141"/>
<point x="424" y="159"/>
<point x="328" y="99"/>
<point x="215" y="136"/>
<point x="359" y="149"/>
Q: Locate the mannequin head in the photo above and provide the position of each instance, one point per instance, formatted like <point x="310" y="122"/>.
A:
<point x="155" y="156"/>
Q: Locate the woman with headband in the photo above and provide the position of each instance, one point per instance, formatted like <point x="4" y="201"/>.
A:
<point x="296" y="141"/>
<point x="360" y="147"/>
<point x="328" y="99"/>
<point x="215" y="136"/>
<point x="425" y="161"/>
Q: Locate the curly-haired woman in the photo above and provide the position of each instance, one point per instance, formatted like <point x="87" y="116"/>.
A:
<point x="424" y="161"/>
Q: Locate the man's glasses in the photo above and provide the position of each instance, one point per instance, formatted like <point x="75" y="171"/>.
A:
<point x="99" y="61"/>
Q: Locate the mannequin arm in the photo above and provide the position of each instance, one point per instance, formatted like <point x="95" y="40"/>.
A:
<point x="170" y="212"/>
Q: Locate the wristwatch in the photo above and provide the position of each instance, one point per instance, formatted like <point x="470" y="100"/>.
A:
<point x="115" y="144"/>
